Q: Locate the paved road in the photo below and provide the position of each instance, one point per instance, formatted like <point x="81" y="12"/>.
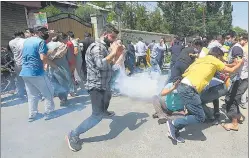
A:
<point x="131" y="133"/>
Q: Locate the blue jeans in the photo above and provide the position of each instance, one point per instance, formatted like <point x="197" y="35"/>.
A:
<point x="213" y="93"/>
<point x="192" y="102"/>
<point x="35" y="86"/>
<point x="130" y="62"/>
<point x="100" y="102"/>
<point x="115" y="76"/>
<point x="155" y="65"/>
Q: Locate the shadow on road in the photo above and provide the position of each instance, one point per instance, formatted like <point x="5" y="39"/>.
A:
<point x="74" y="104"/>
<point x="12" y="100"/>
<point x="119" y="124"/>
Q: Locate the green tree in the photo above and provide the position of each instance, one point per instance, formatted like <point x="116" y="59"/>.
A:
<point x="171" y="12"/>
<point x="239" y="31"/>
<point x="157" y="22"/>
<point x="84" y="12"/>
<point x="50" y="10"/>
<point x="101" y="4"/>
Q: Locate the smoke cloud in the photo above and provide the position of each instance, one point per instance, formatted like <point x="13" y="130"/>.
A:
<point x="142" y="85"/>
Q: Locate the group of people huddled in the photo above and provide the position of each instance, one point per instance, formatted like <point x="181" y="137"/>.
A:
<point x="48" y="64"/>
<point x="54" y="64"/>
<point x="201" y="73"/>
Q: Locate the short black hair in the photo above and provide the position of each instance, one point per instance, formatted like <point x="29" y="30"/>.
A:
<point x="219" y="37"/>
<point x="231" y="33"/>
<point x="42" y="29"/>
<point x="70" y="34"/>
<point x="153" y="41"/>
<point x="109" y="28"/>
<point x="87" y="34"/>
<point x="244" y="37"/>
<point x="197" y="42"/>
<point x="30" y="30"/>
<point x="216" y="52"/>
<point x="18" y="33"/>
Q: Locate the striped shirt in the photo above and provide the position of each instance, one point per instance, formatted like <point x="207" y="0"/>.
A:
<point x="99" y="71"/>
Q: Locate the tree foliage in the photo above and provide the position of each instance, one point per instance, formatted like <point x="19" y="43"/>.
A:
<point x="239" y="31"/>
<point x="184" y="18"/>
<point x="50" y="10"/>
<point x="84" y="12"/>
<point x="197" y="18"/>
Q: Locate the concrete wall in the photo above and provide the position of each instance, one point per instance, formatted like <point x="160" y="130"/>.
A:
<point x="133" y="35"/>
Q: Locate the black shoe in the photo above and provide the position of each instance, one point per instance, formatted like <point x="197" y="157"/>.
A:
<point x="109" y="113"/>
<point x="162" y="120"/>
<point x="179" y="139"/>
<point x="73" y="142"/>
<point x="155" y="115"/>
<point x="171" y="129"/>
<point x="215" y="122"/>
<point x="63" y="103"/>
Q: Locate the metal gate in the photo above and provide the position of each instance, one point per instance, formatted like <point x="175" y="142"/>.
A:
<point x="65" y="22"/>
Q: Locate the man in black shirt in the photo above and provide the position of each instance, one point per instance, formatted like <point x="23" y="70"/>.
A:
<point x="175" y="51"/>
<point x="185" y="59"/>
<point x="86" y="43"/>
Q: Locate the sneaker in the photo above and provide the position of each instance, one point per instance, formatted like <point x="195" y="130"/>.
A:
<point x="115" y="94"/>
<point x="243" y="106"/>
<point x="109" y="113"/>
<point x="35" y="117"/>
<point x="215" y="122"/>
<point x="50" y="116"/>
<point x="155" y="115"/>
<point x="32" y="117"/>
<point x="73" y="142"/>
<point x="179" y="139"/>
<point x="63" y="103"/>
<point x="171" y="129"/>
<point x="72" y="94"/>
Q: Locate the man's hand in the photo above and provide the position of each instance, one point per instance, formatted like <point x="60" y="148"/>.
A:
<point x="176" y="84"/>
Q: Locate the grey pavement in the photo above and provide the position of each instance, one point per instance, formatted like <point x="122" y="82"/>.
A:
<point x="131" y="133"/>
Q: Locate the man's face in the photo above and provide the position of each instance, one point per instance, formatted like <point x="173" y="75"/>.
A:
<point x="27" y="34"/>
<point x="197" y="49"/>
<point x="243" y="42"/>
<point x="161" y="40"/>
<point x="110" y="38"/>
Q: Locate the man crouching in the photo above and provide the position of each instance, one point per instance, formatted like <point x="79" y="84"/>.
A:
<point x="171" y="107"/>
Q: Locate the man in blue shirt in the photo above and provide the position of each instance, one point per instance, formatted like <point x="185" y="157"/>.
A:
<point x="36" y="82"/>
<point x="156" y="54"/>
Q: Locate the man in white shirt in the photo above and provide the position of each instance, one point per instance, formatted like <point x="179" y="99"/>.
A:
<point x="16" y="46"/>
<point x="141" y="49"/>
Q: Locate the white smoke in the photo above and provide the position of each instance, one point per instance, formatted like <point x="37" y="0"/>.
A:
<point x="142" y="85"/>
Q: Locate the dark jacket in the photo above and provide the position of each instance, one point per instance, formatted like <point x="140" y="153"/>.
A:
<point x="86" y="43"/>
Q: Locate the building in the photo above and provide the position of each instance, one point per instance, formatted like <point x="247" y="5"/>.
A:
<point x="14" y="17"/>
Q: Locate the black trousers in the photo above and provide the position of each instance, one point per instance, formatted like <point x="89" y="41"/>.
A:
<point x="233" y="97"/>
<point x="141" y="58"/>
<point x="100" y="100"/>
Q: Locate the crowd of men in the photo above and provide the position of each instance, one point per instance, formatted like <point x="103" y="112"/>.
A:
<point x="53" y="64"/>
<point x="201" y="73"/>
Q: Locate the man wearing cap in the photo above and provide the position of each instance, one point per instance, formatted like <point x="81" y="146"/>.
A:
<point x="36" y="82"/>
